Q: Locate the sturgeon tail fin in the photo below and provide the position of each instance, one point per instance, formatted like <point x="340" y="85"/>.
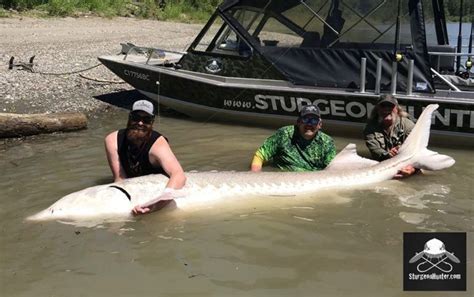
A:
<point x="416" y="143"/>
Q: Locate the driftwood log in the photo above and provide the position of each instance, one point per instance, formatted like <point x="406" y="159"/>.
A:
<point x="17" y="125"/>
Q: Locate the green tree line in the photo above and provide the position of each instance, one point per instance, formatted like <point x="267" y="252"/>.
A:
<point x="170" y="9"/>
<point x="159" y="9"/>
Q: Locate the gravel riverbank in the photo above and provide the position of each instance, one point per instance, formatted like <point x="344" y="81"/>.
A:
<point x="72" y="44"/>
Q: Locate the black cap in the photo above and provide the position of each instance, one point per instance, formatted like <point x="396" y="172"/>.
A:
<point x="310" y="110"/>
<point x="387" y="99"/>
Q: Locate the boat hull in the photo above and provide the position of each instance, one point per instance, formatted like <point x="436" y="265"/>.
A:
<point x="276" y="102"/>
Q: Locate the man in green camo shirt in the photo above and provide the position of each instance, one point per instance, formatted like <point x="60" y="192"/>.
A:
<point x="300" y="147"/>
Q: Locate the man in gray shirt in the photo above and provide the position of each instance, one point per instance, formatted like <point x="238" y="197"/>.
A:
<point x="386" y="130"/>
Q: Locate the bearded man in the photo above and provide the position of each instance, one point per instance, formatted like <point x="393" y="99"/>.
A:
<point x="386" y="130"/>
<point x="139" y="150"/>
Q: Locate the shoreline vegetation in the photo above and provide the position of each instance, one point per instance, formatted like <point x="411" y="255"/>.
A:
<point x="187" y="11"/>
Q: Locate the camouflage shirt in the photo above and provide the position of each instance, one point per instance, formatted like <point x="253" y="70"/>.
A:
<point x="291" y="152"/>
<point x="379" y="142"/>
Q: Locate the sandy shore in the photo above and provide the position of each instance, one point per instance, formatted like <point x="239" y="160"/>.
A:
<point x="70" y="44"/>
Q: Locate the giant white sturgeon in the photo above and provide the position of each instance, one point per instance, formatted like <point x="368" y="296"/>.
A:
<point x="116" y="200"/>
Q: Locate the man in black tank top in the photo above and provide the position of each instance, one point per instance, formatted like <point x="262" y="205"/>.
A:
<point x="139" y="150"/>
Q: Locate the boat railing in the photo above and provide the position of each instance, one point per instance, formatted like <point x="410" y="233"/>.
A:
<point x="378" y="76"/>
<point x="439" y="55"/>
<point x="148" y="52"/>
<point x="394" y="74"/>
<point x="438" y="65"/>
<point x="450" y="84"/>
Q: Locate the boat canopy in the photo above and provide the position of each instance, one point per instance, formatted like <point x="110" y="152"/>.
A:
<point x="321" y="42"/>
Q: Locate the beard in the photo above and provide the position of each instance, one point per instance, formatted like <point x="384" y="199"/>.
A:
<point x="137" y="135"/>
<point x="388" y="120"/>
<point x="308" y="131"/>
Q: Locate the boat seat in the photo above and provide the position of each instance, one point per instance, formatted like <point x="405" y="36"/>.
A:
<point x="311" y="39"/>
<point x="444" y="63"/>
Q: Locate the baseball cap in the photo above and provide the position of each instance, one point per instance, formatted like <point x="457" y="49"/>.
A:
<point x="143" y="105"/>
<point x="310" y="110"/>
<point x="387" y="99"/>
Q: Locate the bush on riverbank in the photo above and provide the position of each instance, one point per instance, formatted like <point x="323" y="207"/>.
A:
<point x="181" y="10"/>
<point x="3" y="13"/>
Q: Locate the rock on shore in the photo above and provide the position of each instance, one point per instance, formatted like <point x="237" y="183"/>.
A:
<point x="71" y="44"/>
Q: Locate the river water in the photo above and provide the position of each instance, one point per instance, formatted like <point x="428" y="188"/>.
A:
<point x="333" y="243"/>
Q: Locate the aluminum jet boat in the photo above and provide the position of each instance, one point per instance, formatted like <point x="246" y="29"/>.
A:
<point x="260" y="61"/>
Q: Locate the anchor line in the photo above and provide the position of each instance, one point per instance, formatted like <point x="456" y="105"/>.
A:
<point x="102" y="80"/>
<point x="443" y="260"/>
<point x="30" y="68"/>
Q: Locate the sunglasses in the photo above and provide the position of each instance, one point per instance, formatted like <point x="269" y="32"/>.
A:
<point x="310" y="121"/>
<point x="386" y="105"/>
<point x="145" y="119"/>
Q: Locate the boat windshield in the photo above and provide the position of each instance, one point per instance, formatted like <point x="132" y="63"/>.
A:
<point x="221" y="39"/>
<point x="324" y="23"/>
<point x="322" y="42"/>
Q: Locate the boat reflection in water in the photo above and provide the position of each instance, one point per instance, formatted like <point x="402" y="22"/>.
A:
<point x="259" y="61"/>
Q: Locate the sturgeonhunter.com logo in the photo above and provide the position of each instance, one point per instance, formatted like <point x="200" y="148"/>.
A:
<point x="434" y="261"/>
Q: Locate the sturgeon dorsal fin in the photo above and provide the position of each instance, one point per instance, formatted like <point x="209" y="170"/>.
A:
<point x="348" y="159"/>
